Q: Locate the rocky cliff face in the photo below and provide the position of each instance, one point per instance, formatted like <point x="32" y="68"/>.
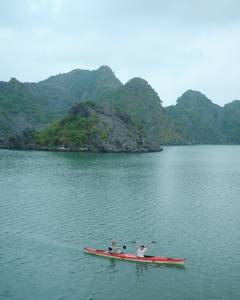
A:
<point x="138" y="99"/>
<point x="35" y="105"/>
<point x="58" y="93"/>
<point x="96" y="128"/>
<point x="129" y="117"/>
<point x="200" y="121"/>
<point x="231" y="122"/>
<point x="197" y="119"/>
<point x="17" y="109"/>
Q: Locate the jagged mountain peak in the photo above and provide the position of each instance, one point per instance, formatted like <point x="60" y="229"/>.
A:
<point x="140" y="88"/>
<point x="193" y="93"/>
<point x="104" y="68"/>
<point x="15" y="81"/>
<point x="137" y="81"/>
<point x="234" y="103"/>
<point x="191" y="97"/>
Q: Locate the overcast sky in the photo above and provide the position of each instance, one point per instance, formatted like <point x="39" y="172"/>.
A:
<point x="175" y="45"/>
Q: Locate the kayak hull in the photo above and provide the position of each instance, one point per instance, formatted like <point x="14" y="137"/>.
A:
<point x="132" y="257"/>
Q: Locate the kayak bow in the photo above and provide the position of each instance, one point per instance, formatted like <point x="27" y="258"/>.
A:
<point x="133" y="257"/>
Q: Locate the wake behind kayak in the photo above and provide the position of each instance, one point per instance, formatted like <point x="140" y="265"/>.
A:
<point x="133" y="257"/>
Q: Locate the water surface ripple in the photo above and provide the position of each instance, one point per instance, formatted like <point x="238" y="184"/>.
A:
<point x="54" y="204"/>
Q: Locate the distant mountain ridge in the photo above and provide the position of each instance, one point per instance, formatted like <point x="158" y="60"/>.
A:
<point x="34" y="105"/>
<point x="62" y="91"/>
<point x="134" y="106"/>
<point x="200" y="121"/>
<point x="127" y="119"/>
<point x="17" y="109"/>
<point x="97" y="128"/>
<point x="231" y="122"/>
<point x="138" y="99"/>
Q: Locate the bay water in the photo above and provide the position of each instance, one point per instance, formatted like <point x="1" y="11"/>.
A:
<point x="53" y="204"/>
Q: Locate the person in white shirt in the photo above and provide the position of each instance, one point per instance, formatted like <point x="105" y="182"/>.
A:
<point x="141" y="251"/>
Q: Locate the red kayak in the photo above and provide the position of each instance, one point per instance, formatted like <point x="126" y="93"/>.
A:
<point x="133" y="257"/>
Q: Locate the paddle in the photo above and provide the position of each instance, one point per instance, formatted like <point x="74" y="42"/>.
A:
<point x="136" y="242"/>
<point x="124" y="247"/>
<point x="152" y="242"/>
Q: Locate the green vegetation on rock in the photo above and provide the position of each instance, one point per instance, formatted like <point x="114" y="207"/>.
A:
<point x="58" y="93"/>
<point x="95" y="127"/>
<point x="138" y="100"/>
<point x="35" y="105"/>
<point x="71" y="132"/>
<point x="17" y="109"/>
<point x="231" y="122"/>
<point x="56" y="114"/>
<point x="200" y="121"/>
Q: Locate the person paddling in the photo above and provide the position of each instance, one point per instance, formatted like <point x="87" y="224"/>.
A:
<point x="114" y="249"/>
<point x="142" y="250"/>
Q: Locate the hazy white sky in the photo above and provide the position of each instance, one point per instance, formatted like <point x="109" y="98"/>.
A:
<point x="175" y="45"/>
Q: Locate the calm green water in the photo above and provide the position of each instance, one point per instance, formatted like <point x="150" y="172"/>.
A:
<point x="54" y="204"/>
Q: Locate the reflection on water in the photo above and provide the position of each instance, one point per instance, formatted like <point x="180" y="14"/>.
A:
<point x="112" y="266"/>
<point x="141" y="269"/>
